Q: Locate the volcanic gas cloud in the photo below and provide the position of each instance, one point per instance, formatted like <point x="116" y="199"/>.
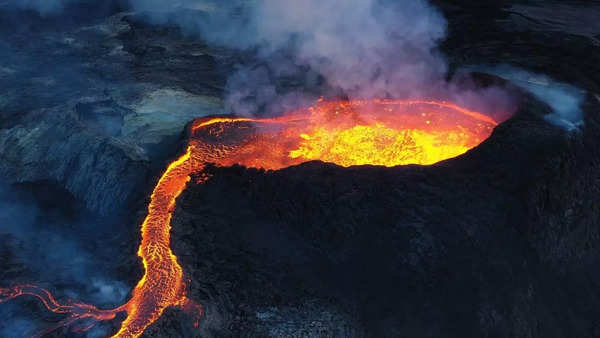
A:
<point x="376" y="132"/>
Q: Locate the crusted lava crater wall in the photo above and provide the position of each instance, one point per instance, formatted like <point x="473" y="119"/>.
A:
<point x="496" y="243"/>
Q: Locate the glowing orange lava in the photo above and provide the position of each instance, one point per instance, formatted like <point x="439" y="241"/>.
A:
<point x="378" y="132"/>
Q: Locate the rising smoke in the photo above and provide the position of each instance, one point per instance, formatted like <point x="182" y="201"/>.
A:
<point x="354" y="48"/>
<point x="564" y="99"/>
<point x="304" y="49"/>
<point x="361" y="48"/>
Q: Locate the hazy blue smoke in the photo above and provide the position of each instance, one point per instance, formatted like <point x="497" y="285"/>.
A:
<point x="45" y="7"/>
<point x="51" y="246"/>
<point x="17" y="327"/>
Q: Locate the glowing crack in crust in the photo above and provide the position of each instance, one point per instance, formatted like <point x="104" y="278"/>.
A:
<point x="377" y="132"/>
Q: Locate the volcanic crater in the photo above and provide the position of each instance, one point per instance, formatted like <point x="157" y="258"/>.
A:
<point x="346" y="251"/>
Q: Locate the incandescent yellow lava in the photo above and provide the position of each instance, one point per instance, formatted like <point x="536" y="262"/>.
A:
<point x="380" y="145"/>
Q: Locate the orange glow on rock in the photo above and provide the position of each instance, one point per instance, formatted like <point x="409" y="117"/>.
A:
<point x="376" y="132"/>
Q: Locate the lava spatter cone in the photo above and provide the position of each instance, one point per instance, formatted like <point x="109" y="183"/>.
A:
<point x="347" y="133"/>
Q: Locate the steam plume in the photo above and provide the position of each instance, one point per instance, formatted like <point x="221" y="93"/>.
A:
<point x="564" y="99"/>
<point x="362" y="48"/>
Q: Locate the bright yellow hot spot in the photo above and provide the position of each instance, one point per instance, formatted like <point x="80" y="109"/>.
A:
<point x="380" y="145"/>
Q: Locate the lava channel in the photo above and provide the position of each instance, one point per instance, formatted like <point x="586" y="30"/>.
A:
<point x="374" y="132"/>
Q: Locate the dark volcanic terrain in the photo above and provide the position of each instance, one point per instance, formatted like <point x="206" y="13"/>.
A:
<point x="496" y="243"/>
<point x="500" y="242"/>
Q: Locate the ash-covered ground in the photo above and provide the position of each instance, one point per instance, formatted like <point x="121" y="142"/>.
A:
<point x="499" y="242"/>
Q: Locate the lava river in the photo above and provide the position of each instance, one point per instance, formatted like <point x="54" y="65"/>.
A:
<point x="376" y="132"/>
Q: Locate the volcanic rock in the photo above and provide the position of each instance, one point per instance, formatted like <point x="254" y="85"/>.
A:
<point x="486" y="244"/>
<point x="499" y="242"/>
<point x="104" y="118"/>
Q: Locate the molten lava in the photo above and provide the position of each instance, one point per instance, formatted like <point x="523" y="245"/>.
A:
<point x="377" y="132"/>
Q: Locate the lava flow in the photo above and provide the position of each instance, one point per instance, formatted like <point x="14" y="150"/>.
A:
<point x="376" y="132"/>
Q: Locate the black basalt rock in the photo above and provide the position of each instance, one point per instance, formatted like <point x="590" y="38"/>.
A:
<point x="494" y="243"/>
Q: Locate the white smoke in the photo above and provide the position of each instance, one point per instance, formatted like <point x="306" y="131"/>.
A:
<point x="362" y="48"/>
<point x="564" y="99"/>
